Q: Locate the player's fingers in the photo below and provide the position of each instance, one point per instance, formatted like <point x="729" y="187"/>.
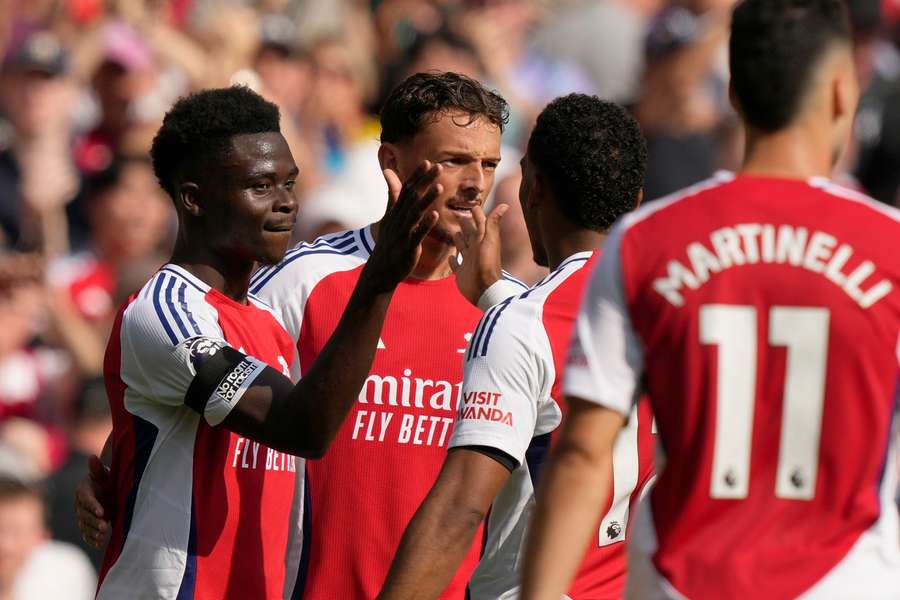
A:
<point x="492" y="227"/>
<point x="453" y="261"/>
<point x="394" y="185"/>
<point x="480" y="221"/>
<point x="424" y="226"/>
<point x="416" y="212"/>
<point x="469" y="230"/>
<point x="459" y="240"/>
<point x="413" y="182"/>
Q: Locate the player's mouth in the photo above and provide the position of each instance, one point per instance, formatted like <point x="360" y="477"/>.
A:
<point x="462" y="209"/>
<point x="285" y="227"/>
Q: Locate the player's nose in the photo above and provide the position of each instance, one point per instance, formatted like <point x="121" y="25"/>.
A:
<point x="286" y="200"/>
<point x="474" y="178"/>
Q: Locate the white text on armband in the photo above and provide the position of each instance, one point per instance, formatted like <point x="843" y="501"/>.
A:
<point x="752" y="243"/>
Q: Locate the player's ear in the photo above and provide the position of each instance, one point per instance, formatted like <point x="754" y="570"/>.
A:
<point x="640" y="198"/>
<point x="388" y="157"/>
<point x="844" y="93"/>
<point x="189" y="198"/>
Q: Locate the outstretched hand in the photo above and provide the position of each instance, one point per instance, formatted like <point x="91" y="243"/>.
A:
<point x="94" y="489"/>
<point x="478" y="243"/>
<point x="405" y="224"/>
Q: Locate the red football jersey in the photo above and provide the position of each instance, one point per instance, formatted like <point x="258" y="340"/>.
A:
<point x="385" y="458"/>
<point x="763" y="315"/>
<point x="200" y="512"/>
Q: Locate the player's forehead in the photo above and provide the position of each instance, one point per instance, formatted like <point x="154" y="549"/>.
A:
<point x="459" y="132"/>
<point x="258" y="152"/>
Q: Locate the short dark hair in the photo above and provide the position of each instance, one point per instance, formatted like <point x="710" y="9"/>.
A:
<point x="426" y="95"/>
<point x="776" y="46"/>
<point x="593" y="155"/>
<point x="197" y="130"/>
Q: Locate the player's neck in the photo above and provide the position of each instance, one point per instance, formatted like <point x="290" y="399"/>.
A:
<point x="798" y="152"/>
<point x="231" y="277"/>
<point x="433" y="263"/>
<point x="572" y="242"/>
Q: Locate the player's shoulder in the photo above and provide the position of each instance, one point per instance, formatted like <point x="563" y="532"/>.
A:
<point x="845" y="198"/>
<point x="170" y="308"/>
<point x="309" y="262"/>
<point x="516" y="323"/>
<point x="663" y="207"/>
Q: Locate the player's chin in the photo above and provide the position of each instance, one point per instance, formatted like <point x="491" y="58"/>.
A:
<point x="273" y="247"/>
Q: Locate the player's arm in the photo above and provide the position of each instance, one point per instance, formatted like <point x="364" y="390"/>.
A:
<point x="440" y="534"/>
<point x="479" y="276"/>
<point x="603" y="369"/>
<point x="575" y="483"/>
<point x="302" y="419"/>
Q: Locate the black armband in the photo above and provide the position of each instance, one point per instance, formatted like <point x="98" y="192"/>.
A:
<point x="223" y="377"/>
<point x="499" y="455"/>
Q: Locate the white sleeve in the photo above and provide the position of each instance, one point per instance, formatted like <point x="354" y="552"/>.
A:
<point x="503" y="384"/>
<point x="505" y="287"/>
<point x="605" y="360"/>
<point x="165" y="342"/>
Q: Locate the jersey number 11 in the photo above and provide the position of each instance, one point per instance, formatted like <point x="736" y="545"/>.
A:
<point x="804" y="332"/>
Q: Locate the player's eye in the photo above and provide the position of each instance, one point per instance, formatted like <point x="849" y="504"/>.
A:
<point x="262" y="186"/>
<point x="490" y="165"/>
<point x="290" y="184"/>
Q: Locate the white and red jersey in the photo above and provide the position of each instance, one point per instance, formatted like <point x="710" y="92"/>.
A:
<point x="763" y="316"/>
<point x="512" y="402"/>
<point x="386" y="456"/>
<point x="200" y="513"/>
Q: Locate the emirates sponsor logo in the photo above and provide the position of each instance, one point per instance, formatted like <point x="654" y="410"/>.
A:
<point x="411" y="392"/>
<point x="418" y="426"/>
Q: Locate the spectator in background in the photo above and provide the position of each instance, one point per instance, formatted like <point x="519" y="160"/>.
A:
<point x="130" y="220"/>
<point x="91" y="424"/>
<point x="683" y="104"/>
<point x="31" y="566"/>
<point x="877" y="31"/>
<point x="37" y="176"/>
<point x="604" y="37"/>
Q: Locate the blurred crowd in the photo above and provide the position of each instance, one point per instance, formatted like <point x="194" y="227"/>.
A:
<point x="84" y="85"/>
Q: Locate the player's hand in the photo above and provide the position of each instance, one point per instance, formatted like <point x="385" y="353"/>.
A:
<point x="478" y="243"/>
<point x="93" y="518"/>
<point x="405" y="224"/>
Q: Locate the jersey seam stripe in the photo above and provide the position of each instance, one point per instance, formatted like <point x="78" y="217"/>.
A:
<point x="170" y="302"/>
<point x="183" y="278"/>
<point x="346" y="252"/>
<point x="302" y="247"/>
<point x="157" y="292"/>
<point x="187" y="311"/>
<point x="835" y="190"/>
<point x="365" y="242"/>
<point x="510" y="277"/>
<point x="719" y="179"/>
<point x="490" y="331"/>
<point x="337" y="244"/>
<point x="479" y="330"/>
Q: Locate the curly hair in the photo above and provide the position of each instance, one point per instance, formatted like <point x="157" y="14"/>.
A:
<point x="776" y="46"/>
<point x="593" y="156"/>
<point x="198" y="128"/>
<point x="426" y="95"/>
